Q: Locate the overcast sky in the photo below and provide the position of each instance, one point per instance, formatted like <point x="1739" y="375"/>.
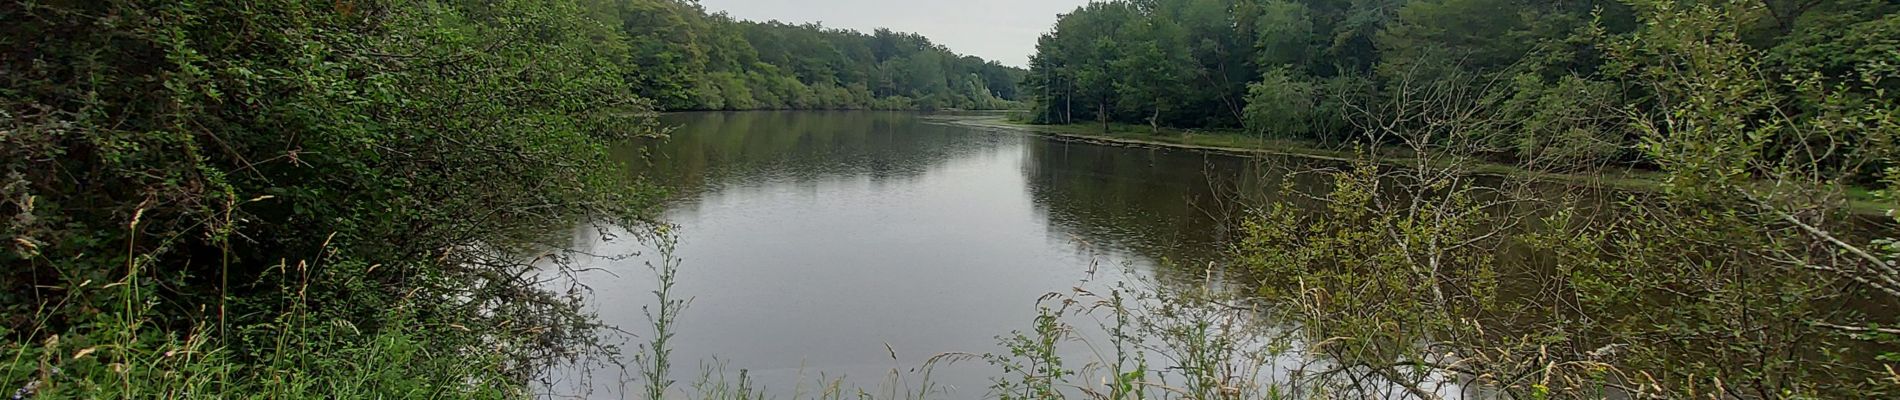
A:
<point x="1001" y="30"/>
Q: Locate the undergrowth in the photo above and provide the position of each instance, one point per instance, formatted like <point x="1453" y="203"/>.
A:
<point x="303" y="199"/>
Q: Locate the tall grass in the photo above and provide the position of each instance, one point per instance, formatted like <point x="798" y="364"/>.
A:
<point x="655" y="356"/>
<point x="1127" y="340"/>
<point x="300" y="354"/>
<point x="1101" y="340"/>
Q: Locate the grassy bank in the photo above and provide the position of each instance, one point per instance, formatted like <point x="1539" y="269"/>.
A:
<point x="1861" y="200"/>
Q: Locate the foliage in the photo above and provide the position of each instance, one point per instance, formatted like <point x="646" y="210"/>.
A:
<point x="686" y="58"/>
<point x="1255" y="63"/>
<point x="1033" y="360"/>
<point x="1744" y="277"/>
<point x="1283" y="106"/>
<point x="164" y="160"/>
<point x="295" y="354"/>
<point x="1568" y="124"/>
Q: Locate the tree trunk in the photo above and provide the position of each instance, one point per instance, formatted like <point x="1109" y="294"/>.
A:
<point x="1068" y="104"/>
<point x="1785" y="12"/>
<point x="1101" y="114"/>
<point x="1154" y="121"/>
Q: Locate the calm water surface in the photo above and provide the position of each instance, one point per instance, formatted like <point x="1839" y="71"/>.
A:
<point x="811" y="241"/>
<point x="826" y="245"/>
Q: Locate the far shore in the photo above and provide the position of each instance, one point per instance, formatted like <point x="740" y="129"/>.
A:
<point x="1237" y="144"/>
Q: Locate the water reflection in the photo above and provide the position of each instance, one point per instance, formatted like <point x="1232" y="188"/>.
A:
<point x="852" y="244"/>
<point x="855" y="244"/>
<point x="708" y="151"/>
<point x="1173" y="205"/>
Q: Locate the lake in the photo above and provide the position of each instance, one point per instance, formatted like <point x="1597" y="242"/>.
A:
<point x="815" y="245"/>
<point x="852" y="247"/>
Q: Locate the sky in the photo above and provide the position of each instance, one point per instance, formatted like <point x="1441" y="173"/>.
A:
<point x="1000" y="30"/>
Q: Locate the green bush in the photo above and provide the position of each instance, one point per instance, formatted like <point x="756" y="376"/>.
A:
<point x="177" y="166"/>
<point x="1281" y="105"/>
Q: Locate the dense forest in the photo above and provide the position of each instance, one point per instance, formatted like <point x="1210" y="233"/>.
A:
<point x="1298" y="68"/>
<point x="687" y="59"/>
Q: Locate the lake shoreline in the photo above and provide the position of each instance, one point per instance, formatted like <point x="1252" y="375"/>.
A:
<point x="1629" y="180"/>
<point x="1279" y="149"/>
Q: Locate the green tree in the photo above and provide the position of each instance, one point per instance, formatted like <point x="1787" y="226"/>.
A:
<point x="286" y="190"/>
<point x="1151" y="79"/>
<point x="1284" y="105"/>
<point x="1284" y="35"/>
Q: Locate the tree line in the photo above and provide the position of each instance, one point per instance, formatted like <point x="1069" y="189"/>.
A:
<point x="1298" y="68"/>
<point x="686" y="58"/>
